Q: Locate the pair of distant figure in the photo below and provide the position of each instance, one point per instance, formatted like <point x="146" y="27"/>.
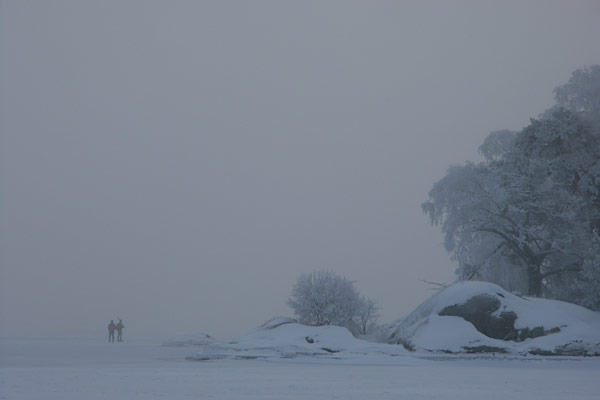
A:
<point x="111" y="331"/>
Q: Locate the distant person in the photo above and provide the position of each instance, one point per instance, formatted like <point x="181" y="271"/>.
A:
<point x="111" y="332"/>
<point x="119" y="328"/>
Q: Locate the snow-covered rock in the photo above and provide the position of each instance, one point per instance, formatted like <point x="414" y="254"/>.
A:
<point x="193" y="339"/>
<point x="285" y="338"/>
<point x="482" y="317"/>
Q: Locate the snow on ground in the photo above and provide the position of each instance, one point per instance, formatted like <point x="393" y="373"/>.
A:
<point x="564" y="326"/>
<point x="92" y="369"/>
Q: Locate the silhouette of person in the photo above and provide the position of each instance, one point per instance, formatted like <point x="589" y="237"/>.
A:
<point x="111" y="331"/>
<point x="119" y="328"/>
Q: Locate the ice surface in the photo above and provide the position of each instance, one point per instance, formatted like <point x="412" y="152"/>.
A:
<point x="95" y="370"/>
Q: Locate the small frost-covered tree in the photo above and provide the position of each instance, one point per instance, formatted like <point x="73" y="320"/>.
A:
<point x="325" y="298"/>
<point x="367" y="315"/>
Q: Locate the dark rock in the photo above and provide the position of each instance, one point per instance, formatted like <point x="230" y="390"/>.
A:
<point x="309" y="340"/>
<point x="523" y="334"/>
<point x="408" y="346"/>
<point x="478" y="311"/>
<point x="540" y="352"/>
<point x="573" y="349"/>
<point x="329" y="350"/>
<point x="484" y="349"/>
<point x="512" y="335"/>
<point x="573" y="352"/>
<point x="578" y="349"/>
<point x="537" y="332"/>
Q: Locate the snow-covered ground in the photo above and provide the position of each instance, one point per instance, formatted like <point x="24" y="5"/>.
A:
<point x="290" y="340"/>
<point x="92" y="369"/>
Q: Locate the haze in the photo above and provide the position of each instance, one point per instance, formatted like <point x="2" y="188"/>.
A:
<point x="178" y="164"/>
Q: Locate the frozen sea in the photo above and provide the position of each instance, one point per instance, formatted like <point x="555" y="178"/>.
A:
<point x="92" y="369"/>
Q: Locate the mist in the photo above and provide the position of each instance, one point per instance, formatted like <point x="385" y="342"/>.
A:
<point x="179" y="164"/>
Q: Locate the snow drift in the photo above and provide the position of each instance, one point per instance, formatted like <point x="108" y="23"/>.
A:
<point x="285" y="338"/>
<point x="479" y="317"/>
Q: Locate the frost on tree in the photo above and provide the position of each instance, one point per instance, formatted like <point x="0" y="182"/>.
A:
<point x="528" y="217"/>
<point x="325" y="298"/>
<point x="581" y="94"/>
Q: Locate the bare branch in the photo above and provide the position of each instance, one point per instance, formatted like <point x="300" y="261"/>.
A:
<point x="441" y="285"/>
<point x="570" y="268"/>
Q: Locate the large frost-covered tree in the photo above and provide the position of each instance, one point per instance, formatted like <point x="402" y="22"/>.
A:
<point x="528" y="217"/>
<point x="581" y="94"/>
<point x="325" y="298"/>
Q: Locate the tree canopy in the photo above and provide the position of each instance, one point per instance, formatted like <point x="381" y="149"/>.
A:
<point x="528" y="216"/>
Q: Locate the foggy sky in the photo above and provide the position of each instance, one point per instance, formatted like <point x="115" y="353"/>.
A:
<point x="178" y="164"/>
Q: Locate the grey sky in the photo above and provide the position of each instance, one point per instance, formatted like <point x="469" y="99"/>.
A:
<point x="178" y="164"/>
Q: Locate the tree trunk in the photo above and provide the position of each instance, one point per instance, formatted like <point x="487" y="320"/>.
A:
<point x="535" y="280"/>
